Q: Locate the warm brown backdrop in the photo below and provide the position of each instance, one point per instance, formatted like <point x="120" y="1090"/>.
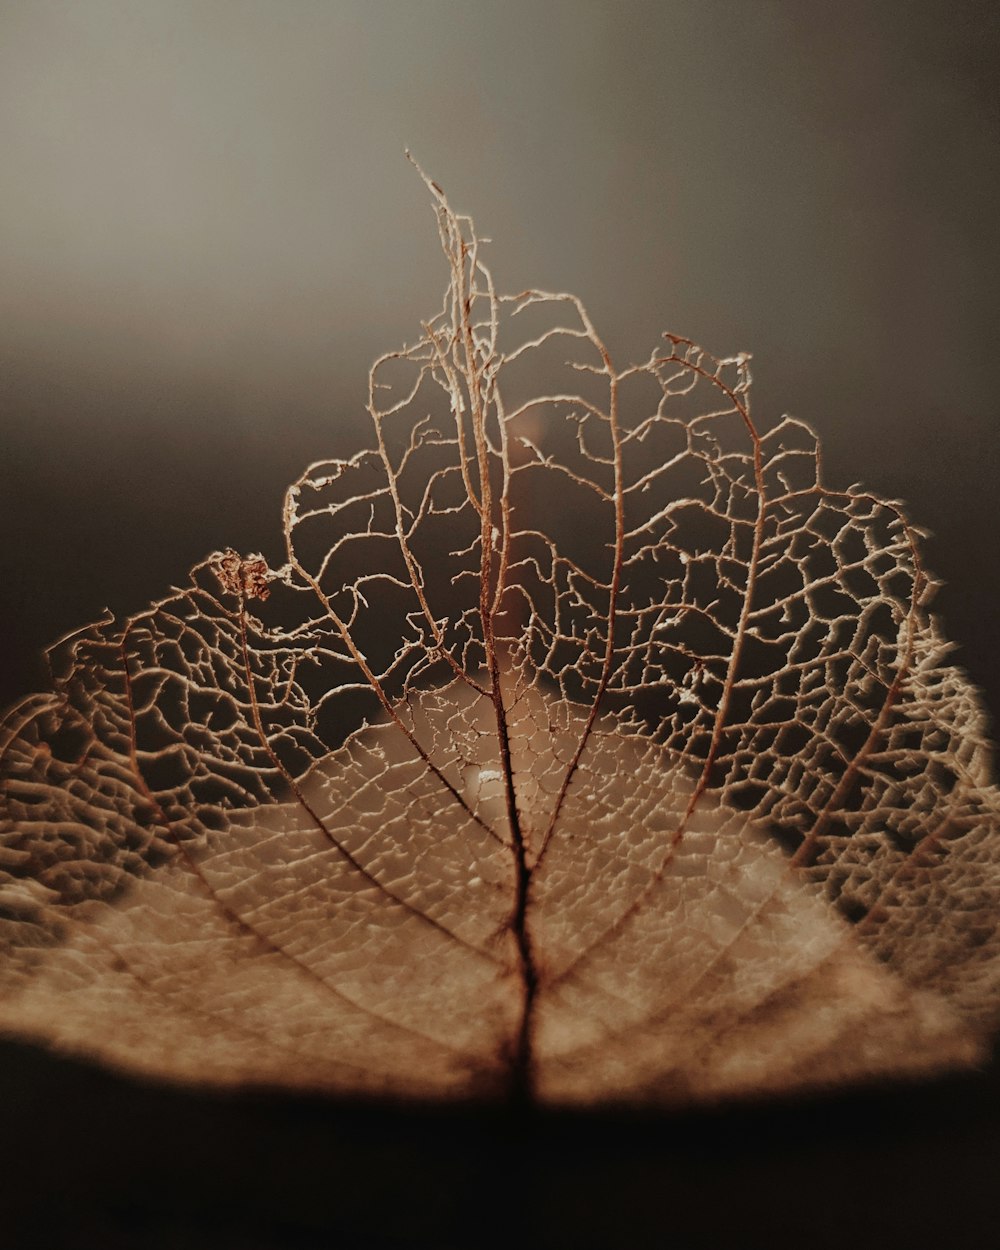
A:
<point x="207" y="230"/>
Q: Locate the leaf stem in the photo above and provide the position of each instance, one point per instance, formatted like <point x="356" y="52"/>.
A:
<point x="521" y="1055"/>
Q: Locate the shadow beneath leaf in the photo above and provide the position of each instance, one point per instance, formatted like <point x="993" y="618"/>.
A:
<point x="93" y="1160"/>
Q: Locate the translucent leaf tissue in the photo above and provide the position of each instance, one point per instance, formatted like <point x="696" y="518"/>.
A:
<point x="581" y="746"/>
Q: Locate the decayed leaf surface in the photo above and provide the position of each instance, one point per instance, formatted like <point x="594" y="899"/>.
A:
<point x="578" y="748"/>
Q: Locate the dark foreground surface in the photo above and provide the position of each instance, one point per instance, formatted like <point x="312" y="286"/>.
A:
<point x="91" y="1160"/>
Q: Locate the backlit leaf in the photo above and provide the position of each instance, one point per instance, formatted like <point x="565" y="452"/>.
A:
<point x="582" y="745"/>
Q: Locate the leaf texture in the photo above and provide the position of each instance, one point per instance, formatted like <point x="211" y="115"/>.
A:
<point x="583" y="746"/>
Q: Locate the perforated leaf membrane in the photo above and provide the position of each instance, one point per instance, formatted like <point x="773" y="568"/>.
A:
<point x="581" y="746"/>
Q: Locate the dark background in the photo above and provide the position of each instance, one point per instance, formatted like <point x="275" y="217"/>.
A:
<point x="208" y="230"/>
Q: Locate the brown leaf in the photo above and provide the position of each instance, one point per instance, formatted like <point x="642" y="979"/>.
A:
<point x="585" y="747"/>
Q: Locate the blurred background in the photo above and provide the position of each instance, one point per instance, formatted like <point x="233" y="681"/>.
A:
<point x="207" y="232"/>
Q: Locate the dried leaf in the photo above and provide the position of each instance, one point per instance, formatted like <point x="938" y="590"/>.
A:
<point x="585" y="747"/>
